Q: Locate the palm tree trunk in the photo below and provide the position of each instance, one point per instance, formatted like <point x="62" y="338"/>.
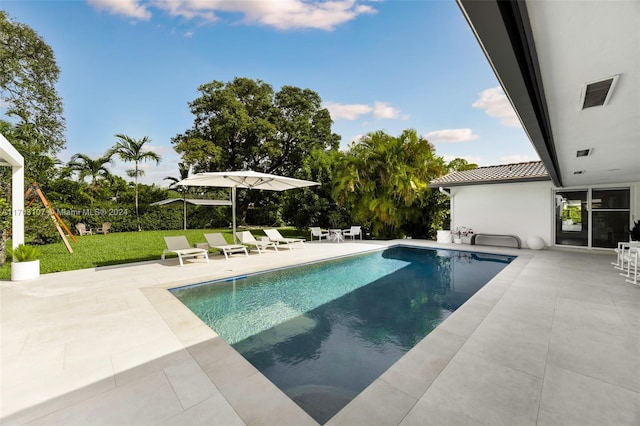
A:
<point x="137" y="213"/>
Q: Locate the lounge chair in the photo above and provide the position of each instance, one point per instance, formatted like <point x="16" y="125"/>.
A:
<point x="217" y="241"/>
<point x="104" y="229"/>
<point x="180" y="246"/>
<point x="316" y="231"/>
<point x="247" y="238"/>
<point x="353" y="232"/>
<point x="83" y="229"/>
<point x="275" y="236"/>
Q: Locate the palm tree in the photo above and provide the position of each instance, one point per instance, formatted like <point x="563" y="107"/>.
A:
<point x="183" y="169"/>
<point x="87" y="166"/>
<point x="131" y="150"/>
<point x="382" y="179"/>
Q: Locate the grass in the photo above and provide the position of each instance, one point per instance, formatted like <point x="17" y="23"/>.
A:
<point x="120" y="247"/>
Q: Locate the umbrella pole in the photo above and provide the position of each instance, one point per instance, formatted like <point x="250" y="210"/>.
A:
<point x="233" y="212"/>
<point x="184" y="208"/>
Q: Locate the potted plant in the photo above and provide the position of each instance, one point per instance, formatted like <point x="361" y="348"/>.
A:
<point x="634" y="233"/>
<point x="460" y="232"/>
<point x="25" y="264"/>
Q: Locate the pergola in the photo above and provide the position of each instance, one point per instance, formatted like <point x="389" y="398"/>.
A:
<point x="9" y="157"/>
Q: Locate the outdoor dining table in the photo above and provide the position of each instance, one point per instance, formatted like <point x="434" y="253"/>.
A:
<point x="335" y="235"/>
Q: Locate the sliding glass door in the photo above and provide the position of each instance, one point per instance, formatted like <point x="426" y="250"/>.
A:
<point x="610" y="216"/>
<point x="592" y="217"/>
<point x="572" y="218"/>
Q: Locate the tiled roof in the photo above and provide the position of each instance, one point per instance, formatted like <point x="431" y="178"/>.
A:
<point x="519" y="172"/>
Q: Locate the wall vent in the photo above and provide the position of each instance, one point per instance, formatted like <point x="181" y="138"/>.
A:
<point x="597" y="93"/>
<point x="584" y="152"/>
<point x="578" y="172"/>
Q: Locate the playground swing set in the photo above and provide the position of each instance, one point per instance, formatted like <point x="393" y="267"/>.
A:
<point x="34" y="194"/>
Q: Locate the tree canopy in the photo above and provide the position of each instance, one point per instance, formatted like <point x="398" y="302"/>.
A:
<point x="28" y="74"/>
<point x="382" y="180"/>
<point x="244" y="124"/>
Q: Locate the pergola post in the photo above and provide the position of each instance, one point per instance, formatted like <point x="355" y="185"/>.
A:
<point x="10" y="157"/>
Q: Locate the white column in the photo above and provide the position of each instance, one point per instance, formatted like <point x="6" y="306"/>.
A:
<point x="17" y="205"/>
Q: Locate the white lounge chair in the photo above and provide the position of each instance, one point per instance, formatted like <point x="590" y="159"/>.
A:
<point x="247" y="238"/>
<point x="180" y="246"/>
<point x="275" y="236"/>
<point x="353" y="232"/>
<point x="316" y="231"/>
<point x="216" y="240"/>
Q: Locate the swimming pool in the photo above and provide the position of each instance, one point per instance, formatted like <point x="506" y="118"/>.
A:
<point x="323" y="332"/>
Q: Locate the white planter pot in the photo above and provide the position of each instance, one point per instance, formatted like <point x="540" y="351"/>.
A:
<point x="22" y="271"/>
<point x="457" y="240"/>
<point x="444" y="236"/>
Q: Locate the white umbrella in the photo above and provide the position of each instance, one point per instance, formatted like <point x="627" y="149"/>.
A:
<point x="244" y="179"/>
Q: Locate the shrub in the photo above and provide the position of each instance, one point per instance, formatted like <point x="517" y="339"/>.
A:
<point x="24" y="253"/>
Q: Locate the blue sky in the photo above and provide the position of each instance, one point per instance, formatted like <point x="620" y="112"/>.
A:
<point x="132" y="67"/>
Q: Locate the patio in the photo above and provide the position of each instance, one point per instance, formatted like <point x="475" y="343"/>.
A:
<point x="552" y="339"/>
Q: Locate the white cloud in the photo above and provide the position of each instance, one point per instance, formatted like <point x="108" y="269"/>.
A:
<point x="188" y="34"/>
<point x="130" y="8"/>
<point x="280" y="14"/>
<point x="495" y="104"/>
<point x="346" y="111"/>
<point x="380" y="110"/>
<point x="356" y="138"/>
<point x="517" y="158"/>
<point x="383" y="110"/>
<point x="451" y="135"/>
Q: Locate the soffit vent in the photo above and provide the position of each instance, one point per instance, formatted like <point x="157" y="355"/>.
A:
<point x="584" y="152"/>
<point x="597" y="93"/>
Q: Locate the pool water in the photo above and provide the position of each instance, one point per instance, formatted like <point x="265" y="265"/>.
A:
<point x="323" y="332"/>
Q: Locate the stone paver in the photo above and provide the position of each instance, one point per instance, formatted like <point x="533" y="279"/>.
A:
<point x="552" y="339"/>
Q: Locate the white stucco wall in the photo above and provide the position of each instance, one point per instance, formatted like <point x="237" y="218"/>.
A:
<point x="522" y="209"/>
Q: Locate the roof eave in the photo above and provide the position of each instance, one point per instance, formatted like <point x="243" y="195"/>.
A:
<point x="502" y="28"/>
<point x="489" y="182"/>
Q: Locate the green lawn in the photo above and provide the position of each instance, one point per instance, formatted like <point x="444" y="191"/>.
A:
<point x="120" y="247"/>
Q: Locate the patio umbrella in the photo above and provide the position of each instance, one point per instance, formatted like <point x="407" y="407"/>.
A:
<point x="244" y="179"/>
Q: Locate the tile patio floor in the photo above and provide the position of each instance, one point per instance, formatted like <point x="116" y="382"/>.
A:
<point x="553" y="339"/>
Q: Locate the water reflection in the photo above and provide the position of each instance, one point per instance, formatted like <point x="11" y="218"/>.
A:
<point x="323" y="358"/>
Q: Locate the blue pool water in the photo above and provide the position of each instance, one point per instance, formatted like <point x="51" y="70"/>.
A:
<point x="323" y="332"/>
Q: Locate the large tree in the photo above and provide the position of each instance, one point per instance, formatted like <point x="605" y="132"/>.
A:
<point x="28" y="74"/>
<point x="244" y="124"/>
<point x="383" y="180"/>
<point x="460" y="165"/>
<point x="315" y="206"/>
<point x="132" y="150"/>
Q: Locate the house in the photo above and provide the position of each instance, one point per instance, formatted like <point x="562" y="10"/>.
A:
<point x="571" y="71"/>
